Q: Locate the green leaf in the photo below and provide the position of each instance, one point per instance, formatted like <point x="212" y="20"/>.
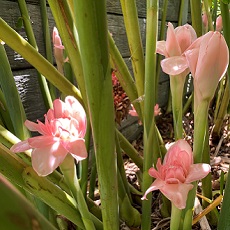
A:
<point x="16" y="212"/>
<point x="226" y="1"/>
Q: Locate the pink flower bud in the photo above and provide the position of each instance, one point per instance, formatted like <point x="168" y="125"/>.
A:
<point x="208" y="59"/>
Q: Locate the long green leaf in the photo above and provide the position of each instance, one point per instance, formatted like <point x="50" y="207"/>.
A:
<point x="21" y="46"/>
<point x="16" y="212"/>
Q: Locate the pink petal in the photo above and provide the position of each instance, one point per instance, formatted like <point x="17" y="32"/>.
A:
<point x="32" y="126"/>
<point x="77" y="149"/>
<point x="41" y="141"/>
<point x="58" y="109"/>
<point x="157" y="184"/>
<point x="160" y="49"/>
<point x="185" y="36"/>
<point x="177" y="193"/>
<point x="153" y="172"/>
<point x="46" y="160"/>
<point x="174" y="151"/>
<point x="77" y="112"/>
<point x="197" y="172"/>
<point x="172" y="47"/>
<point x="20" y="147"/>
<point x="174" y="65"/>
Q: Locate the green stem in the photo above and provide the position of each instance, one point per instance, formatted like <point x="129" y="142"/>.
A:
<point x="135" y="44"/>
<point x="200" y="133"/>
<point x="224" y="221"/>
<point x="196" y="16"/>
<point x="47" y="39"/>
<point x="183" y="15"/>
<point x="175" y="218"/>
<point x="29" y="32"/>
<point x="226" y="29"/>
<point x="68" y="169"/>
<point x="151" y="143"/>
<point x="85" y="163"/>
<point x="92" y="32"/>
<point x="67" y="29"/>
<point x="21" y="46"/>
<point x="177" y="89"/>
<point x="208" y="13"/>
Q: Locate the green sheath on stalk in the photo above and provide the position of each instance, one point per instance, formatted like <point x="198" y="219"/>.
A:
<point x="91" y="23"/>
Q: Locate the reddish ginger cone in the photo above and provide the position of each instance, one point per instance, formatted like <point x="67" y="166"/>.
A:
<point x="121" y="100"/>
<point x="62" y="133"/>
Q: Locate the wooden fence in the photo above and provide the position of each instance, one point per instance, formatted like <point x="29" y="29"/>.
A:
<point x="26" y="76"/>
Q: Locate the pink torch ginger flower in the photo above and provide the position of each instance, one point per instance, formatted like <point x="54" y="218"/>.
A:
<point x="174" y="176"/>
<point x="62" y="133"/>
<point x="178" y="40"/>
<point x="208" y="59"/>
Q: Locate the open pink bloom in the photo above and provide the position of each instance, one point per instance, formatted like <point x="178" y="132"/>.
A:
<point x="62" y="133"/>
<point x="208" y="59"/>
<point x="178" y="40"/>
<point x="174" y="176"/>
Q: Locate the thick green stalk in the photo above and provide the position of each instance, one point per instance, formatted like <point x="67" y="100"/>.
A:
<point x="135" y="44"/>
<point x="196" y="16"/>
<point x="183" y="15"/>
<point x="161" y="37"/>
<point x="84" y="165"/>
<point x="224" y="221"/>
<point x="47" y="40"/>
<point x="90" y="17"/>
<point x="29" y="32"/>
<point x="200" y="132"/>
<point x="67" y="29"/>
<point x="151" y="150"/>
<point x="68" y="169"/>
<point x="221" y="106"/>
<point x="21" y="46"/>
<point x="226" y="29"/>
<point x="175" y="218"/>
<point x="209" y="15"/>
<point x="177" y="89"/>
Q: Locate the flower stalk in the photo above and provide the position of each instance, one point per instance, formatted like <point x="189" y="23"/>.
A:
<point x="96" y="66"/>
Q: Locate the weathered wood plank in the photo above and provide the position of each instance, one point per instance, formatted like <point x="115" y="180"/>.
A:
<point x="26" y="78"/>
<point x="29" y="91"/>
